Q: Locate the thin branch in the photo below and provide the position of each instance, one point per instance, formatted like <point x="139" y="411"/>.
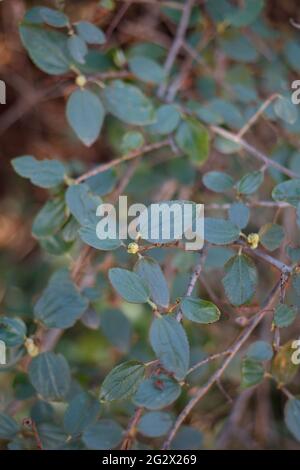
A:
<point x="129" y="156"/>
<point x="177" y="43"/>
<point x="270" y="204"/>
<point x="256" y="115"/>
<point x="253" y="151"/>
<point x="208" y="359"/>
<point x="282" y="267"/>
<point x="269" y="302"/>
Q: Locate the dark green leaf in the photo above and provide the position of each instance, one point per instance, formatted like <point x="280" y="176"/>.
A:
<point x="217" y="181"/>
<point x="90" y="33"/>
<point x="260" y="351"/>
<point x="187" y="438"/>
<point x="147" y="70"/>
<point x="252" y="373"/>
<point x="122" y="381"/>
<point x="292" y="417"/>
<point x="81" y="413"/>
<point x="193" y="139"/>
<point x="168" y="118"/>
<point x="50" y="218"/>
<point x="43" y="173"/>
<point x="129" y="285"/>
<point x="220" y="231"/>
<point x="117" y="329"/>
<point x="239" y="214"/>
<point x="200" y="311"/>
<point x="250" y="183"/>
<point x="85" y="115"/>
<point x="77" y="48"/>
<point x="271" y="236"/>
<point x="132" y="140"/>
<point x="155" y="424"/>
<point x="53" y="17"/>
<point x="170" y="344"/>
<point x="286" y="110"/>
<point x="8" y="427"/>
<point x="284" y="315"/>
<point x="82" y="203"/>
<point x="240" y="279"/>
<point x="288" y="191"/>
<point x="157" y="392"/>
<point x="12" y="331"/>
<point x="103" y="435"/>
<point x="49" y="373"/>
<point x="150" y="271"/>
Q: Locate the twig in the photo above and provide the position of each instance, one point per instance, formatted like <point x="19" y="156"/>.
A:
<point x="208" y="359"/>
<point x="253" y="151"/>
<point x="118" y="17"/>
<point x="218" y="374"/>
<point x="129" y="156"/>
<point x="177" y="43"/>
<point x="256" y="115"/>
<point x="282" y="267"/>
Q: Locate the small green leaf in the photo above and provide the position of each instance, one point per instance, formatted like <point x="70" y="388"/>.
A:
<point x="187" y="438"/>
<point x="239" y="214"/>
<point x="47" y="49"/>
<point x="49" y="373"/>
<point x="146" y="69"/>
<point x="122" y="381"/>
<point x="8" y="427"/>
<point x="155" y="424"/>
<point x="53" y="17"/>
<point x="292" y="417"/>
<point x="271" y="236"/>
<point x="240" y="279"/>
<point x="286" y="110"/>
<point x="200" y="311"/>
<point x="252" y="373"/>
<point x="81" y="413"/>
<point x="103" y="435"/>
<point x="82" y="203"/>
<point x="150" y="271"/>
<point x="217" y="181"/>
<point x="43" y="173"/>
<point x="89" y="236"/>
<point x="12" y="331"/>
<point x="260" y="351"/>
<point x="77" y="48"/>
<point x="193" y="139"/>
<point x="128" y="103"/>
<point x="85" y="115"/>
<point x="50" y="218"/>
<point x="60" y="305"/>
<point x="129" y="285"/>
<point x="132" y="140"/>
<point x="90" y="33"/>
<point x="288" y="191"/>
<point x="250" y="183"/>
<point x="170" y="344"/>
<point x="168" y="118"/>
<point x="157" y="392"/>
<point x="220" y="231"/>
<point x="284" y="315"/>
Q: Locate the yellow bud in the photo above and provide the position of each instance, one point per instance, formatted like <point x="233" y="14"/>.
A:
<point x="31" y="348"/>
<point x="133" y="248"/>
<point x="80" y="81"/>
<point x="253" y="240"/>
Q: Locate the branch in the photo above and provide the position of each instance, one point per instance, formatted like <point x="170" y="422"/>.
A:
<point x="218" y="374"/>
<point x="129" y="156"/>
<point x="253" y="151"/>
<point x="177" y="43"/>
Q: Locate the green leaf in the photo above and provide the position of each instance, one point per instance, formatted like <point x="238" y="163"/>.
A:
<point x="288" y="191"/>
<point x="77" y="48"/>
<point x="155" y="424"/>
<point x="168" y="118"/>
<point x="292" y="417"/>
<point x="89" y="236"/>
<point x="286" y="110"/>
<point x="103" y="435"/>
<point x="271" y="236"/>
<point x="82" y="203"/>
<point x="85" y="115"/>
<point x="146" y="69"/>
<point x="252" y="372"/>
<point x="8" y="427"/>
<point x="157" y="392"/>
<point x="239" y="214"/>
<point x="102" y="183"/>
<point x="60" y="305"/>
<point x="50" y="218"/>
<point x="170" y="344"/>
<point x="240" y="279"/>
<point x="238" y="47"/>
<point x="296" y="281"/>
<point x="81" y="413"/>
<point x="122" y="381"/>
<point x="200" y="311"/>
<point x="129" y="285"/>
<point x="47" y="49"/>
<point x="128" y="103"/>
<point x="52" y="437"/>
<point x="284" y="315"/>
<point x="260" y="351"/>
<point x="12" y="331"/>
<point x="132" y="140"/>
<point x="53" y="17"/>
<point x="43" y="173"/>
<point x="193" y="139"/>
<point x="90" y="33"/>
<point x="49" y="373"/>
<point x="220" y="231"/>
<point x="246" y="15"/>
<point x="117" y="329"/>
<point x="250" y="183"/>
<point x="217" y="181"/>
<point x="150" y="271"/>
